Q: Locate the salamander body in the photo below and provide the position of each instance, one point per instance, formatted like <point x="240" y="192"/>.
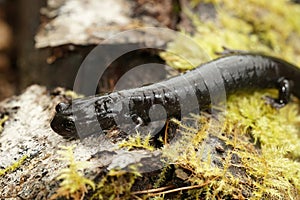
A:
<point x="202" y="85"/>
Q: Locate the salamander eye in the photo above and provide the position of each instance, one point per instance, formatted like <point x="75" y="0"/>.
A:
<point x="69" y="125"/>
<point x="61" y="107"/>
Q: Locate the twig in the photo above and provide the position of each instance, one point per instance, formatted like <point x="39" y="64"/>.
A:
<point x="136" y="197"/>
<point x="166" y="133"/>
<point x="153" y="190"/>
<point x="182" y="188"/>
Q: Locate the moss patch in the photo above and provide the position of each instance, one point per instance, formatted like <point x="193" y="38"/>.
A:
<point x="137" y="142"/>
<point x="253" y="154"/>
<point x="117" y="184"/>
<point x="262" y="26"/>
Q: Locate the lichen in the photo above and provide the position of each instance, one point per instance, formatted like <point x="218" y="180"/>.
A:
<point x="73" y="184"/>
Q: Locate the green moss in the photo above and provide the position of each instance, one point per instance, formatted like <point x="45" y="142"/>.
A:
<point x="137" y="142"/>
<point x="260" y="153"/>
<point x="261" y="156"/>
<point x="162" y="177"/>
<point x="73" y="184"/>
<point x="117" y="184"/>
<point x="14" y="166"/>
<point x="2" y="121"/>
<point x="268" y="126"/>
<point x="73" y="95"/>
<point x="273" y="167"/>
<point x="272" y="28"/>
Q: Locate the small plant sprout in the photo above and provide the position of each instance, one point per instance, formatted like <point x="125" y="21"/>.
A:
<point x="137" y="142"/>
<point x="74" y="184"/>
<point x="14" y="166"/>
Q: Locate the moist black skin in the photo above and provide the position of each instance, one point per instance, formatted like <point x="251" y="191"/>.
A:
<point x="189" y="92"/>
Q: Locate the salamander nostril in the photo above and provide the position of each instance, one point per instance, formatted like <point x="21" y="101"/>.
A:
<point x="61" y="107"/>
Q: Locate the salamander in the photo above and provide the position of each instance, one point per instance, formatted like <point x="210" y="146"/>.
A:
<point x="226" y="74"/>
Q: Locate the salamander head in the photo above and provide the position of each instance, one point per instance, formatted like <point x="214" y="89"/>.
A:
<point x="79" y="120"/>
<point x="63" y="122"/>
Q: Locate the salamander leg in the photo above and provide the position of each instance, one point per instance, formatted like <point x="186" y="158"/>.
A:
<point x="284" y="93"/>
<point x="137" y="120"/>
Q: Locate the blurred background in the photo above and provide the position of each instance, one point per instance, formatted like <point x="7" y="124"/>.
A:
<point x="45" y="41"/>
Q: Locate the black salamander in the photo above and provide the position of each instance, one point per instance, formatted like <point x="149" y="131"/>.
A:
<point x="235" y="73"/>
